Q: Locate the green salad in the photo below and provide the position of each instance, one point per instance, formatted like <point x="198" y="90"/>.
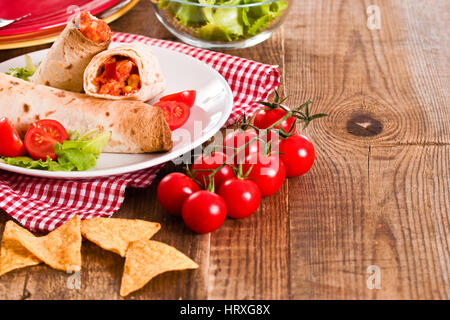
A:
<point x="76" y="154"/>
<point x="224" y="24"/>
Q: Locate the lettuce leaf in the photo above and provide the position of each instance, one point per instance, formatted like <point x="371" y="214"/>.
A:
<point x="26" y="72"/>
<point x="27" y="162"/>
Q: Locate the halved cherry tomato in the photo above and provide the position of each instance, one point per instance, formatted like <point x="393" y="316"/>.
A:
<point x="175" y="113"/>
<point x="209" y="163"/>
<point x="11" y="145"/>
<point x="41" y="138"/>
<point x="187" y="97"/>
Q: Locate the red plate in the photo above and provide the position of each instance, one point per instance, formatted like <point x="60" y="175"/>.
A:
<point x="46" y="14"/>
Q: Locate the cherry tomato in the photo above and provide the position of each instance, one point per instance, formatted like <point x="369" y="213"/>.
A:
<point x="175" y="113"/>
<point x="264" y="118"/>
<point x="11" y="145"/>
<point x="212" y="162"/>
<point x="41" y="138"/>
<point x="239" y="138"/>
<point x="187" y="97"/>
<point x="268" y="172"/>
<point x="297" y="153"/>
<point x="204" y="211"/>
<point x="173" y="190"/>
<point x="242" y="197"/>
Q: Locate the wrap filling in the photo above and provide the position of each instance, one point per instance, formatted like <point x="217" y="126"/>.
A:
<point x="118" y="76"/>
<point x="94" y="29"/>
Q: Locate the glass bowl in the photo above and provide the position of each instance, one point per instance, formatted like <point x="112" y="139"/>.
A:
<point x="221" y="26"/>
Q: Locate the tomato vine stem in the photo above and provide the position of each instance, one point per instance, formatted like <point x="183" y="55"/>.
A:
<point x="299" y="115"/>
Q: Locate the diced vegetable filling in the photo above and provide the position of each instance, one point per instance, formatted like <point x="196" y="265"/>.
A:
<point x="119" y="76"/>
<point x="94" y="29"/>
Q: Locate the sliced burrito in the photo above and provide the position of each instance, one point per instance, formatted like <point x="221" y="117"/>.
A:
<point x="136" y="127"/>
<point x="127" y="72"/>
<point x="63" y="66"/>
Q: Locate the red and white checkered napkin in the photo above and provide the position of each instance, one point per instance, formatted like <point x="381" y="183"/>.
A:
<point x="44" y="204"/>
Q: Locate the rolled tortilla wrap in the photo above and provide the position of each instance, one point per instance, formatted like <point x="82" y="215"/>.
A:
<point x="144" y="63"/>
<point x="136" y="126"/>
<point x="64" y="64"/>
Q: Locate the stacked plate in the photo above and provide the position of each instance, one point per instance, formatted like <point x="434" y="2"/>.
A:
<point x="48" y="18"/>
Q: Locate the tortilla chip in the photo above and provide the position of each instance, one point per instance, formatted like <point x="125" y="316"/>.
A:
<point x="116" y="234"/>
<point x="145" y="259"/>
<point x="12" y="254"/>
<point x="60" y="249"/>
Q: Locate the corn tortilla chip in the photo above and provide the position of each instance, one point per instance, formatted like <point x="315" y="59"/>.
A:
<point x="60" y="249"/>
<point x="116" y="234"/>
<point x="146" y="259"/>
<point x="12" y="254"/>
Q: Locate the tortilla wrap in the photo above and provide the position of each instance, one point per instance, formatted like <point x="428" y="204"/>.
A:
<point x="152" y="81"/>
<point x="136" y="126"/>
<point x="64" y="64"/>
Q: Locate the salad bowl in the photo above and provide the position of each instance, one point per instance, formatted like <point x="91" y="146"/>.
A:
<point x="222" y="23"/>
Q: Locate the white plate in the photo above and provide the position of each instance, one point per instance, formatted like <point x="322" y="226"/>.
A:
<point x="213" y="107"/>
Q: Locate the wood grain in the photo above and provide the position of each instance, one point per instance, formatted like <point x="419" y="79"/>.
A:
<point x="379" y="90"/>
<point x="411" y="219"/>
<point x="378" y="193"/>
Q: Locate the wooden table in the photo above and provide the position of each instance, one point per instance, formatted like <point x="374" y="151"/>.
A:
<point x="378" y="194"/>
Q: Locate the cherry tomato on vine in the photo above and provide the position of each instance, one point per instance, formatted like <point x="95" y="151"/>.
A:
<point x="11" y="145"/>
<point x="187" y="97"/>
<point x="173" y="190"/>
<point x="41" y="138"/>
<point x="297" y="153"/>
<point x="242" y="197"/>
<point x="209" y="163"/>
<point x="264" y="118"/>
<point x="268" y="172"/>
<point x="239" y="138"/>
<point x="204" y="211"/>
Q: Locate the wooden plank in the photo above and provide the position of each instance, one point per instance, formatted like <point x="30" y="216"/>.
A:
<point x="327" y="212"/>
<point x="391" y="75"/>
<point x="249" y="258"/>
<point x="409" y="201"/>
<point x="380" y="87"/>
<point x="326" y="206"/>
<point x="399" y="222"/>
